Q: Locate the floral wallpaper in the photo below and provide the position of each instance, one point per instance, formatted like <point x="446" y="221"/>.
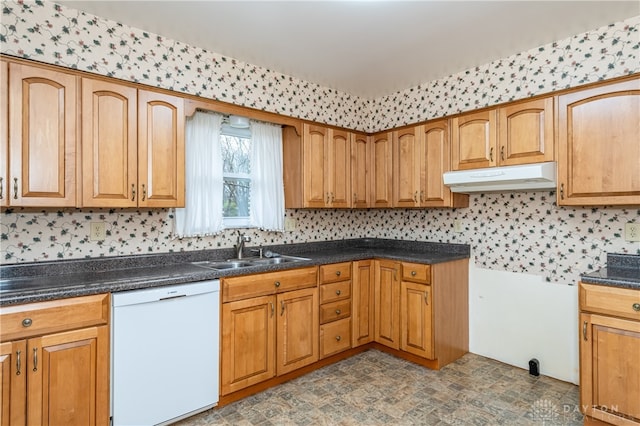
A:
<point x="519" y="232"/>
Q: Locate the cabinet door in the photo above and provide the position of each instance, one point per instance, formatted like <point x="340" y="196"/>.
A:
<point x="42" y="137"/>
<point x="360" y="181"/>
<point x="160" y="149"/>
<point x="297" y="329"/>
<point x="362" y="298"/>
<point x="406" y="166"/>
<point x="13" y="383"/>
<point x="248" y="343"/>
<point x="609" y="369"/>
<point x="68" y="378"/>
<point x="598" y="131"/>
<point x="387" y="303"/>
<point x="4" y="134"/>
<point x="382" y="170"/>
<point x="526" y="132"/>
<point x="474" y="140"/>
<point x="316" y="189"/>
<point x="339" y="168"/>
<point x="434" y="161"/>
<point x="416" y="323"/>
<point x="109" y="147"/>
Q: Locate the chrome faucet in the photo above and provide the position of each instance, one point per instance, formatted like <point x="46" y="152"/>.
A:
<point x="242" y="238"/>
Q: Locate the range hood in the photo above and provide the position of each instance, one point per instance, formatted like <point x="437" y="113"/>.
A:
<point x="527" y="177"/>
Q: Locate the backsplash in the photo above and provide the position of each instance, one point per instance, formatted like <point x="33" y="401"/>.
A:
<point x="51" y="33"/>
<point x="518" y="232"/>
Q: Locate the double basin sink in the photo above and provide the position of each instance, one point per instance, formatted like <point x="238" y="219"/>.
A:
<point x="248" y="262"/>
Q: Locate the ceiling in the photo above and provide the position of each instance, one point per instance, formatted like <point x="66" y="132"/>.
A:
<point x="365" y="48"/>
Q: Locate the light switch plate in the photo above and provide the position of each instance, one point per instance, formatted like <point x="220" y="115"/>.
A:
<point x="289" y="224"/>
<point x="98" y="231"/>
<point x="457" y="225"/>
<point x="632" y="231"/>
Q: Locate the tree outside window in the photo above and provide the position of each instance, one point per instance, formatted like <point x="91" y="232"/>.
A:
<point x="236" y="155"/>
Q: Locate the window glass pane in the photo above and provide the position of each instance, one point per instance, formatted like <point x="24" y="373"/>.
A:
<point x="236" y="154"/>
<point x="236" y="197"/>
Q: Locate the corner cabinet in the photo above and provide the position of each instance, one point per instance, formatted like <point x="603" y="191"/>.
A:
<point x="599" y="145"/>
<point x="54" y="362"/>
<point x="382" y="170"/>
<point x="132" y="146"/>
<point x="360" y="171"/>
<point x="43" y="117"/>
<point x="363" y="308"/>
<point x="269" y="326"/>
<point x="609" y="353"/>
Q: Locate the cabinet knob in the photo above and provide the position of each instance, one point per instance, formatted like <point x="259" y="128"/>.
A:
<point x="338" y="273"/>
<point x="636" y="307"/>
<point x="338" y="338"/>
<point x="338" y="292"/>
<point x="413" y="273"/>
<point x="338" y="311"/>
<point x="27" y="322"/>
<point x="277" y="283"/>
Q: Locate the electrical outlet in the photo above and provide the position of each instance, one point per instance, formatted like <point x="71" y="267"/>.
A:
<point x="457" y="225"/>
<point x="98" y="231"/>
<point x="632" y="231"/>
<point x="289" y="224"/>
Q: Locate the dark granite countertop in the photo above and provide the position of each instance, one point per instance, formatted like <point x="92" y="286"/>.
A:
<point x="623" y="270"/>
<point x="34" y="282"/>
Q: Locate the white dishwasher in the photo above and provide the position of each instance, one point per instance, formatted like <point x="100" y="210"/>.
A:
<point x="164" y="353"/>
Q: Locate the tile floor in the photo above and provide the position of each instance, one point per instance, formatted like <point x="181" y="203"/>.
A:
<point x="374" y="388"/>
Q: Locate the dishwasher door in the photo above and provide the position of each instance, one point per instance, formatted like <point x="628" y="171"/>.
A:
<point x="164" y="353"/>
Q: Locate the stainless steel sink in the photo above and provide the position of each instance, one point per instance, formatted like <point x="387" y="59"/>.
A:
<point x="247" y="262"/>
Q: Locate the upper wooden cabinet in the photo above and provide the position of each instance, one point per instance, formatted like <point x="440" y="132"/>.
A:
<point x="339" y="168"/>
<point x="382" y="170"/>
<point x="407" y="148"/>
<point x="360" y="176"/>
<point x="599" y="145"/>
<point x="132" y="147"/>
<point x="519" y="133"/>
<point x="42" y="138"/>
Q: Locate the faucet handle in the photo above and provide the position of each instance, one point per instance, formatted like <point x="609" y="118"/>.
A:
<point x="259" y="250"/>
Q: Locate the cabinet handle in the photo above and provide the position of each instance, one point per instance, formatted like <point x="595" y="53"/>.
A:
<point x="502" y="152"/>
<point x="636" y="307"/>
<point x="35" y="359"/>
<point x="133" y="192"/>
<point x="413" y="273"/>
<point x="338" y="338"/>
<point x="355" y="197"/>
<point x="277" y="283"/>
<point x="281" y="307"/>
<point x="426" y="298"/>
<point x="395" y="275"/>
<point x="491" y="154"/>
<point x="562" y="191"/>
<point x="338" y="273"/>
<point x="338" y="311"/>
<point x="272" y="309"/>
<point x="338" y="292"/>
<point x="415" y="197"/>
<point x="332" y="198"/>
<point x="1" y="186"/>
<point x="15" y="188"/>
<point x="144" y="192"/>
<point x="27" y="322"/>
<point x="421" y="196"/>
<point x="328" y="199"/>
<point x="18" y="363"/>
<point x="584" y="331"/>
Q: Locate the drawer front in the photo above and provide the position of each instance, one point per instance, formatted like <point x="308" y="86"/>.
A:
<point x="416" y="272"/>
<point x="334" y="311"/>
<point x="335" y="272"/>
<point x="335" y="291"/>
<point x="335" y="337"/>
<point x="620" y="302"/>
<point x="36" y="319"/>
<point x="247" y="286"/>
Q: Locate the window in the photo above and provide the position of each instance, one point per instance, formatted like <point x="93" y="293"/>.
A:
<point x="236" y="172"/>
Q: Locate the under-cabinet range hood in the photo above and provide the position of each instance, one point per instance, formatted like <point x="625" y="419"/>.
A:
<point x="527" y="177"/>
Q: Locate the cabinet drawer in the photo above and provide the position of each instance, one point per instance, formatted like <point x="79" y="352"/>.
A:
<point x="335" y="337"/>
<point x="247" y="286"/>
<point x="335" y="291"/>
<point x="620" y="302"/>
<point x="34" y="319"/>
<point x="335" y="310"/>
<point x="335" y="272"/>
<point x="416" y="272"/>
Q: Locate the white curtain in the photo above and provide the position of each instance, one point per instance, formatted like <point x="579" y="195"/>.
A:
<point x="267" y="187"/>
<point x="202" y="214"/>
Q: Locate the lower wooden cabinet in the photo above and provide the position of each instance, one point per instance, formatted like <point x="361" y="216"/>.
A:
<point x="55" y="378"/>
<point x="335" y="308"/>
<point x="416" y="328"/>
<point x="387" y="303"/>
<point x="270" y="335"/>
<point x="362" y="311"/>
<point x="609" y="354"/>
